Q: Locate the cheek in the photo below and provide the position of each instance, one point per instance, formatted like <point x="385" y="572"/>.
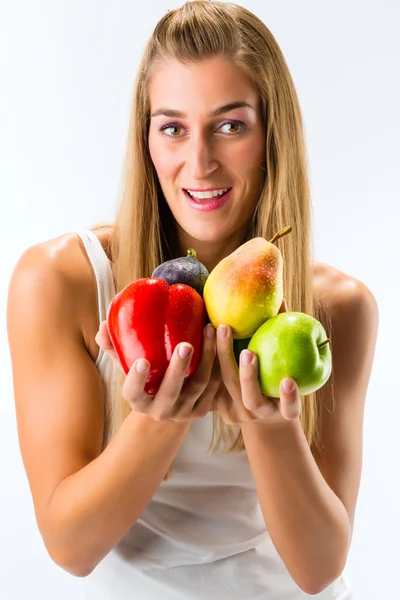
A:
<point x="249" y="156"/>
<point x="159" y="156"/>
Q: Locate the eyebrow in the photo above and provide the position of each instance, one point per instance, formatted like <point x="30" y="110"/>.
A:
<point x="167" y="112"/>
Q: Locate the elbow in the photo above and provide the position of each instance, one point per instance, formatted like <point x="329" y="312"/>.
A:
<point x="320" y="577"/>
<point x="313" y="590"/>
<point x="315" y="585"/>
<point x="69" y="551"/>
<point x="67" y="555"/>
<point x="72" y="564"/>
<point x="76" y="569"/>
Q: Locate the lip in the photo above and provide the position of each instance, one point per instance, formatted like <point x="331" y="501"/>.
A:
<point x="222" y="187"/>
<point x="210" y="204"/>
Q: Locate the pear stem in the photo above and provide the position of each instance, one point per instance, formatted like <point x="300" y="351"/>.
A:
<point x="281" y="233"/>
<point x="191" y="253"/>
<point x="323" y="343"/>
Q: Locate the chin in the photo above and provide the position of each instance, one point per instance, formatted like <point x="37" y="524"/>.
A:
<point x="204" y="232"/>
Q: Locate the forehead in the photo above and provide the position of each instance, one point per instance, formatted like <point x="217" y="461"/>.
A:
<point x="190" y="86"/>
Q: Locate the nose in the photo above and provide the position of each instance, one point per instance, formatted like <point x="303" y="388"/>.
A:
<point x="200" y="158"/>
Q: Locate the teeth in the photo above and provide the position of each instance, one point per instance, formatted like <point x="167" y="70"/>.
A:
<point x="200" y="195"/>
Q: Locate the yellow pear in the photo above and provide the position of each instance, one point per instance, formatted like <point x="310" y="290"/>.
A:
<point x="246" y="288"/>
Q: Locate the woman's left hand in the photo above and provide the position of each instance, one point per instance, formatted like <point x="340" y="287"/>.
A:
<point x="239" y="398"/>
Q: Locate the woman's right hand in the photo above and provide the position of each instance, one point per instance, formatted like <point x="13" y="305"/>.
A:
<point x="177" y="399"/>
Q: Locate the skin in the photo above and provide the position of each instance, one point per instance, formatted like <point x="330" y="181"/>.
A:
<point x="61" y="320"/>
<point x="207" y="152"/>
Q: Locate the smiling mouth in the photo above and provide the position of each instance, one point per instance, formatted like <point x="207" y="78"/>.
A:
<point x="207" y="198"/>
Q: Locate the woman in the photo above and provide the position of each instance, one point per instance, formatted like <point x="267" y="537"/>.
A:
<point x="129" y="494"/>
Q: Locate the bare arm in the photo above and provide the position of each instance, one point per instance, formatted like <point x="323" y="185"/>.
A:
<point x="85" y="500"/>
<point x="92" y="509"/>
<point x="308" y="496"/>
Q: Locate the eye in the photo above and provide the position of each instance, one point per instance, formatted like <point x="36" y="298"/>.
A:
<point x="237" y="124"/>
<point x="172" y="126"/>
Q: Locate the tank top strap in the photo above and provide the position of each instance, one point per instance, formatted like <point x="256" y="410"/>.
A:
<point x="102" y="270"/>
<point x="105" y="293"/>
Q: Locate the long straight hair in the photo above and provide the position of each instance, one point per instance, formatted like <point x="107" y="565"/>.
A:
<point x="143" y="234"/>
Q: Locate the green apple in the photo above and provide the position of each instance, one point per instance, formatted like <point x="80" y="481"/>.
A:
<point x="292" y="344"/>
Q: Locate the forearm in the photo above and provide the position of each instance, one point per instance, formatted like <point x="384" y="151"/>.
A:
<point x="91" y="510"/>
<point x="308" y="523"/>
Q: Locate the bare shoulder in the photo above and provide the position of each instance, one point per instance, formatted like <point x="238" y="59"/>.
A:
<point x="62" y="266"/>
<point x="59" y="258"/>
<point x="340" y="292"/>
<point x="354" y="315"/>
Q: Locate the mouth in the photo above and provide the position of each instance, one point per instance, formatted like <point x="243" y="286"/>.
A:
<point x="206" y="204"/>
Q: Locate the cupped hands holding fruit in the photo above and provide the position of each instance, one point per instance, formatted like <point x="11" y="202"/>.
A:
<point x="178" y="398"/>
<point x="284" y="354"/>
<point x="288" y="356"/>
<point x="151" y="324"/>
<point x="240" y="398"/>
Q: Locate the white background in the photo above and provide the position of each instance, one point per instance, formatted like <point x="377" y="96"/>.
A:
<point x="67" y="71"/>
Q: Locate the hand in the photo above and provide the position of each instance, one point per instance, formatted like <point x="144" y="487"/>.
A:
<point x="176" y="399"/>
<point x="239" y="398"/>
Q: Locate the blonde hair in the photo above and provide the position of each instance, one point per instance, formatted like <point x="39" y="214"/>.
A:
<point x="143" y="233"/>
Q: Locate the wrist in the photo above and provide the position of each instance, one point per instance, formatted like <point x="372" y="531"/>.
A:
<point x="272" y="429"/>
<point x="138" y="419"/>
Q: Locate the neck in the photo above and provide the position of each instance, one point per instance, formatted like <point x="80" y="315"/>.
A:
<point x="210" y="253"/>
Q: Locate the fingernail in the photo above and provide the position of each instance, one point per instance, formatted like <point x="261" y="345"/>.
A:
<point x="246" y="357"/>
<point x="184" y="350"/>
<point x="287" y="385"/>
<point x="210" y="331"/>
<point x="222" y="332"/>
<point x="141" y="365"/>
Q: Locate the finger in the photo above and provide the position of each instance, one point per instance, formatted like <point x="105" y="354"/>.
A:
<point x="103" y="336"/>
<point x="172" y="382"/>
<point x="194" y="387"/>
<point x="103" y="340"/>
<point x="290" y="404"/>
<point x="133" y="388"/>
<point x="227" y="361"/>
<point x="205" y="402"/>
<point x="252" y="397"/>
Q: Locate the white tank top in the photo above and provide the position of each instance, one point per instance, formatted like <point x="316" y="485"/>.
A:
<point x="202" y="536"/>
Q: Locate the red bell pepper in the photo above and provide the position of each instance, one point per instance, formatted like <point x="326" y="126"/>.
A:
<point x="148" y="318"/>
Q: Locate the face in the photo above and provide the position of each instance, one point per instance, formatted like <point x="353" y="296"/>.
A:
<point x="206" y="132"/>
